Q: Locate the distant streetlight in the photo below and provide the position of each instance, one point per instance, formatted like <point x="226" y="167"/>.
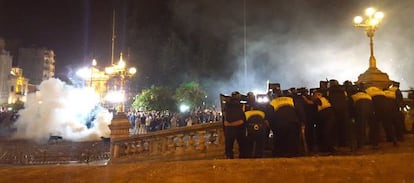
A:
<point x="123" y="73"/>
<point x="370" y="25"/>
<point x="184" y="108"/>
<point x="86" y="73"/>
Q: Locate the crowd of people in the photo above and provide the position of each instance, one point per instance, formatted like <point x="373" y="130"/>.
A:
<point x="318" y="120"/>
<point x="7" y="117"/>
<point x="149" y="121"/>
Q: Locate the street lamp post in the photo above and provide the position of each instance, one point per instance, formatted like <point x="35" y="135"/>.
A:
<point x="370" y="25"/>
<point x="373" y="76"/>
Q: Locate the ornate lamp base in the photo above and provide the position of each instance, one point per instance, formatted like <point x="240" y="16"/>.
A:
<point x="374" y="77"/>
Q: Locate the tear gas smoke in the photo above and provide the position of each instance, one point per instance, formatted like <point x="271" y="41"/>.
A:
<point x="62" y="110"/>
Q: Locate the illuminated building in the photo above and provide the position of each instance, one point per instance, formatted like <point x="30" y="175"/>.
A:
<point x="19" y="86"/>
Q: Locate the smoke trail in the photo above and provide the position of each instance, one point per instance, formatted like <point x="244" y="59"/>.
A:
<point x="62" y="110"/>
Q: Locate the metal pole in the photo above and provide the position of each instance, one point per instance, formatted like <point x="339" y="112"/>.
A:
<point x="113" y="38"/>
<point x="244" y="44"/>
<point x="372" y="60"/>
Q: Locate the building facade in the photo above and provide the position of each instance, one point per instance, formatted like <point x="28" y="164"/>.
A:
<point x="5" y="67"/>
<point x="37" y="63"/>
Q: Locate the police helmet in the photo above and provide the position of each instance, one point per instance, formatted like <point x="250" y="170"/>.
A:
<point x="333" y="82"/>
<point x="236" y="95"/>
<point x="396" y="84"/>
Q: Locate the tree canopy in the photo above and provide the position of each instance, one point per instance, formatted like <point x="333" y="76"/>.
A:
<point x="158" y="98"/>
<point x="162" y="98"/>
<point x="190" y="94"/>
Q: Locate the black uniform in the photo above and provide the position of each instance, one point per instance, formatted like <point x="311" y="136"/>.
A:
<point x="338" y="99"/>
<point x="255" y="133"/>
<point x="383" y="112"/>
<point x="397" y="124"/>
<point x="257" y="130"/>
<point x="401" y="129"/>
<point x="301" y="107"/>
<point x="285" y="125"/>
<point x="234" y="112"/>
<point x="364" y="116"/>
<point x="311" y="114"/>
<point x="325" y="125"/>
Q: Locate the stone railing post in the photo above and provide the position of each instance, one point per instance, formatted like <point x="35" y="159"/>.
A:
<point x="201" y="140"/>
<point x="119" y="128"/>
<point x="140" y="146"/>
<point x="190" y="142"/>
<point x="170" y="145"/>
<point x="180" y="144"/>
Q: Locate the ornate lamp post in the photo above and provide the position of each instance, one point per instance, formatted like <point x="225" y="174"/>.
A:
<point x="120" y="124"/>
<point x="373" y="76"/>
<point x="119" y="70"/>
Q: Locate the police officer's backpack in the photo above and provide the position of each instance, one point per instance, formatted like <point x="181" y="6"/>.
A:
<point x="254" y="122"/>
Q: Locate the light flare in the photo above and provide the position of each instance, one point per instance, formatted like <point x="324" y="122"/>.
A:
<point x="184" y="108"/>
<point x="115" y="96"/>
<point x="370" y="11"/>
<point x="358" y="19"/>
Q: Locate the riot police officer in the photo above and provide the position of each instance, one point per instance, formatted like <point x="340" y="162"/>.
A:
<point x="234" y="119"/>
<point x="326" y="120"/>
<point x="285" y="125"/>
<point x="383" y="112"/>
<point x="256" y="127"/>
<point x="363" y="111"/>
<point x="397" y="123"/>
<point x="337" y="96"/>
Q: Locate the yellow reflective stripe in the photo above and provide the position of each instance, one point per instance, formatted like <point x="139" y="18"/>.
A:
<point x="281" y="101"/>
<point x="325" y="104"/>
<point x="393" y="89"/>
<point x="360" y="95"/>
<point x="251" y="113"/>
<point x="390" y="94"/>
<point x="374" y="91"/>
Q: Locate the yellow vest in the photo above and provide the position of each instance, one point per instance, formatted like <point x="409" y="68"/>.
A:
<point x="282" y="101"/>
<point x="360" y="95"/>
<point x="325" y="104"/>
<point x="251" y="113"/>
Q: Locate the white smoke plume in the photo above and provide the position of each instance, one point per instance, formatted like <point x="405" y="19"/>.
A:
<point x="62" y="110"/>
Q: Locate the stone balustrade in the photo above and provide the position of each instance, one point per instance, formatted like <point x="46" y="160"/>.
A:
<point x="26" y="152"/>
<point x="203" y="141"/>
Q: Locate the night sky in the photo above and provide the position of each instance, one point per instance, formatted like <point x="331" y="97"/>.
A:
<point x="296" y="43"/>
<point x="75" y="30"/>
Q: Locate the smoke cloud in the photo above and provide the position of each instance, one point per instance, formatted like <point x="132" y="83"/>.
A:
<point x="62" y="110"/>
